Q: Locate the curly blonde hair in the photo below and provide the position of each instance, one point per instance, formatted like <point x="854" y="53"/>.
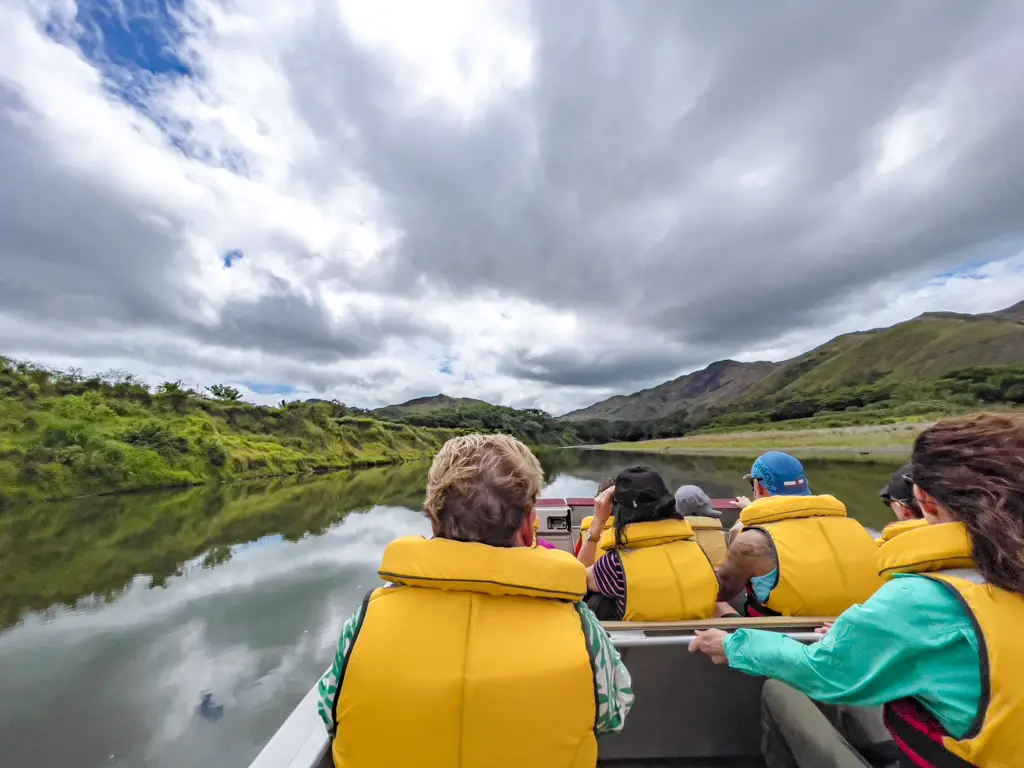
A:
<point x="481" y="488"/>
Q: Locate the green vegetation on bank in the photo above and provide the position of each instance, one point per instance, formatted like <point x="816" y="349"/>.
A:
<point x="894" y="439"/>
<point x="530" y="425"/>
<point x="66" y="434"/>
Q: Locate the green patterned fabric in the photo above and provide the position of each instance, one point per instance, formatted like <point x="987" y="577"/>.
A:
<point x="611" y="678"/>
<point x="328" y="685"/>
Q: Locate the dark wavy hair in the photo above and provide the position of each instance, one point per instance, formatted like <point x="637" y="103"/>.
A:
<point x="641" y="496"/>
<point x="974" y="467"/>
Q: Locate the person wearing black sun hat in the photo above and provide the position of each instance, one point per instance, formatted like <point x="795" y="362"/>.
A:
<point x="898" y="495"/>
<point x="653" y="568"/>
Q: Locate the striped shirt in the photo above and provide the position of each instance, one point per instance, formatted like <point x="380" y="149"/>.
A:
<point x="611" y="579"/>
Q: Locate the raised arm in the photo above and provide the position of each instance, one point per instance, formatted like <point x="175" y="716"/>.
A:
<point x="602" y="511"/>
<point x="751" y="554"/>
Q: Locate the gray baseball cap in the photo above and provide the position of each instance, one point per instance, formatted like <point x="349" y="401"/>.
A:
<point x="692" y="501"/>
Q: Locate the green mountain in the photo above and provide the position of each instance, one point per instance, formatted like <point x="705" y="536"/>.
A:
<point x="468" y="415"/>
<point x="421" y="405"/>
<point x="718" y="384"/>
<point x="928" y="347"/>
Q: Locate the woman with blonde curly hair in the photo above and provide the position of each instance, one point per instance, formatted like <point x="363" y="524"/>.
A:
<point x="476" y="626"/>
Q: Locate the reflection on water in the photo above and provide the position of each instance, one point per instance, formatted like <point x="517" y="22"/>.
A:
<point x="122" y="612"/>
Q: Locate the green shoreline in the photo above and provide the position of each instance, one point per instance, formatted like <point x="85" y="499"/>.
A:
<point x="856" y="443"/>
<point x="64" y="436"/>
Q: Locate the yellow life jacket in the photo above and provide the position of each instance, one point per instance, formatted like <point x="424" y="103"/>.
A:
<point x="436" y="670"/>
<point x="708" y="532"/>
<point x="826" y="559"/>
<point x="668" y="576"/>
<point x="943" y="553"/>
<point x="585" y="528"/>
<point x="900" y="526"/>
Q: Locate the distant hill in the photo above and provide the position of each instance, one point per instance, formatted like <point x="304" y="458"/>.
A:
<point x="718" y="384"/>
<point x="929" y="346"/>
<point x="425" y="404"/>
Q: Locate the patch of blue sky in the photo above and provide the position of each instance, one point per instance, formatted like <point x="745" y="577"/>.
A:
<point x="445" y="365"/>
<point x="268" y="388"/>
<point x="133" y="35"/>
<point x="230" y="257"/>
<point x="973" y="260"/>
<point x="137" y="46"/>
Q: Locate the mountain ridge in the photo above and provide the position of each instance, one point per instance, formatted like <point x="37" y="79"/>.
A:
<point x="428" y="403"/>
<point x="930" y="345"/>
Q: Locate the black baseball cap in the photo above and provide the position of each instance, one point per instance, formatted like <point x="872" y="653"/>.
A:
<point x="900" y="487"/>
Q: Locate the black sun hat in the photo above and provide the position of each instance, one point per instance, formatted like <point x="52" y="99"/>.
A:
<point x="638" y="487"/>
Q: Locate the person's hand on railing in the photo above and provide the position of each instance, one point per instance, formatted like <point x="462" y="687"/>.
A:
<point x="712" y="643"/>
<point x="824" y="628"/>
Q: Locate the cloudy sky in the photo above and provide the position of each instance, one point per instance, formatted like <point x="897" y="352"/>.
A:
<point x="534" y="203"/>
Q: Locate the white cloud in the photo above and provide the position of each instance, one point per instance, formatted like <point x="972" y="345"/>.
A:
<point x="559" y="204"/>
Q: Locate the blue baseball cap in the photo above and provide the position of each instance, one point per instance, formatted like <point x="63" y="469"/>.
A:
<point x="780" y="474"/>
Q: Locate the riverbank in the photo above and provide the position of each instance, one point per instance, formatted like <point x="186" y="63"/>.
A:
<point x="888" y="440"/>
<point x="62" y="438"/>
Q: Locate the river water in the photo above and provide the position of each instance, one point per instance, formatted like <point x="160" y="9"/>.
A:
<point x="117" y="613"/>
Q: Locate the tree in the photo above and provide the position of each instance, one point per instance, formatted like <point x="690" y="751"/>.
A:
<point x="225" y="393"/>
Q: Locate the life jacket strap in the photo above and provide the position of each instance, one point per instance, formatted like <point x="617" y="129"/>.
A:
<point x="754" y="608"/>
<point x="919" y="736"/>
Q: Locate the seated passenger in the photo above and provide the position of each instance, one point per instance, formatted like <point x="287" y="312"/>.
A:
<point x="537" y="540"/>
<point x="898" y="496"/>
<point x="798" y="554"/>
<point x="474" y="626"/>
<point x="654" y="570"/>
<point x="939" y="643"/>
<point x="695" y="507"/>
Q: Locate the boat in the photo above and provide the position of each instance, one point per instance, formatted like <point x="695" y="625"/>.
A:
<point x="687" y="712"/>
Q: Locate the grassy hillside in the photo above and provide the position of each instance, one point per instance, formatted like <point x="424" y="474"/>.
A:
<point x="65" y="435"/>
<point x="940" y="362"/>
<point x="718" y="384"/>
<point x="929" y="346"/>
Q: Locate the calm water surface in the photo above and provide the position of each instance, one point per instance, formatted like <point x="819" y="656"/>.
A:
<point x="117" y="613"/>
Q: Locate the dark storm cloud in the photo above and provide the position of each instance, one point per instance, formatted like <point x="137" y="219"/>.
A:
<point x="599" y="365"/>
<point x="610" y="184"/>
<point x="289" y="325"/>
